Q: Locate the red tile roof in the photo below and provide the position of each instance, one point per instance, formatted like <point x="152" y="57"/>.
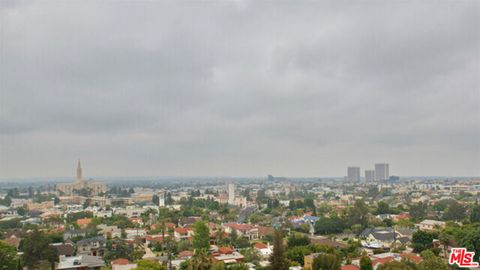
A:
<point x="240" y="226"/>
<point x="225" y="250"/>
<point x="84" y="221"/>
<point x="260" y="246"/>
<point x="350" y="267"/>
<point x="182" y="230"/>
<point x="185" y="253"/>
<point x="382" y="260"/>
<point x="120" y="261"/>
<point x="412" y="257"/>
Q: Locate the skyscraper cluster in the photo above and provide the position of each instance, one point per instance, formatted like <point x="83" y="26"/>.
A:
<point x="381" y="173"/>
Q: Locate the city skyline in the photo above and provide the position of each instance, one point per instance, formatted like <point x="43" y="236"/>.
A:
<point x="240" y="88"/>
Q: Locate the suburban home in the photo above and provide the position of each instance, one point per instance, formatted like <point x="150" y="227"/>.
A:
<point x="82" y="262"/>
<point x="265" y="250"/>
<point x="74" y="233"/>
<point x="430" y="225"/>
<point x="94" y="246"/>
<point x="13" y="241"/>
<point x="64" y="249"/>
<point x="110" y="231"/>
<point x="122" y="264"/>
<point x="135" y="232"/>
<point x="185" y="255"/>
<point x="382" y="238"/>
<point x="103" y="213"/>
<point x="227" y="255"/>
<point x="83" y="222"/>
<point x="248" y="231"/>
<point x="182" y="233"/>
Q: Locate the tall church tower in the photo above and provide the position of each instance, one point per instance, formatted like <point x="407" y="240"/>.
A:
<point x="79" y="171"/>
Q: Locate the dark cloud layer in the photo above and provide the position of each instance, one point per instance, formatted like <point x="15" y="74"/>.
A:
<point x="239" y="87"/>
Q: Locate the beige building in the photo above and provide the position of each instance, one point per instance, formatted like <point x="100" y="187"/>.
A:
<point x="40" y="206"/>
<point x="68" y="189"/>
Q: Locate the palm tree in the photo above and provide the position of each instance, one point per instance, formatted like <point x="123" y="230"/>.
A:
<point x="445" y="240"/>
<point x="201" y="260"/>
<point x="220" y="236"/>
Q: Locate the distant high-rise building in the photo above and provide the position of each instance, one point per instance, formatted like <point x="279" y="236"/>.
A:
<point x="353" y="174"/>
<point x="79" y="171"/>
<point x="382" y="171"/>
<point x="161" y="199"/>
<point x="369" y="175"/>
<point x="231" y="193"/>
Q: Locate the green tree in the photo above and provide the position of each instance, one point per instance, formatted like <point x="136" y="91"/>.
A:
<point x="383" y="208"/>
<point x="326" y="261"/>
<point x="430" y="261"/>
<point x="329" y="225"/>
<point x="233" y="237"/>
<point x="149" y="265"/>
<point x="475" y="213"/>
<point x="251" y="255"/>
<point x="36" y="248"/>
<point x="200" y="261"/>
<point x="358" y="214"/>
<point x="421" y="241"/>
<point x="442" y="205"/>
<point x="298" y="253"/>
<point x="455" y="211"/>
<point x="446" y="239"/>
<point x="219" y="266"/>
<point x="118" y="249"/>
<point x="394" y="265"/>
<point x="278" y="260"/>
<point x="297" y="240"/>
<point x="8" y="257"/>
<point x="201" y="238"/>
<point x="238" y="266"/>
<point x="469" y="237"/>
<point x="366" y="263"/>
<point x="418" y="211"/>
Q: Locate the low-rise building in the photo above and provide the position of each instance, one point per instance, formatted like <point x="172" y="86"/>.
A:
<point x="82" y="262"/>
<point x="122" y="264"/>
<point x="430" y="225"/>
<point x="94" y="246"/>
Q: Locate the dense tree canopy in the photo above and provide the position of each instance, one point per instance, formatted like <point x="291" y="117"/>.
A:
<point x="326" y="261"/>
<point x="201" y="237"/>
<point x="329" y="225"/>
<point x="278" y="260"/>
<point x="36" y="248"/>
<point x="422" y="240"/>
<point x="8" y="257"/>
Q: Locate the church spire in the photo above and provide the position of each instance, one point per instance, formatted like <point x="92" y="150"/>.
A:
<point x="79" y="171"/>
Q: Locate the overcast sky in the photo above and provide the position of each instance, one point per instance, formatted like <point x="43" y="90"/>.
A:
<point x="239" y="88"/>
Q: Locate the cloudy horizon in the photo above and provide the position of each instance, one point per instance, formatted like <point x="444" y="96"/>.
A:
<point x="239" y="88"/>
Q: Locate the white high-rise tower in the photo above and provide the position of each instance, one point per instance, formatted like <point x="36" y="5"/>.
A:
<point x="161" y="199"/>
<point x="231" y="193"/>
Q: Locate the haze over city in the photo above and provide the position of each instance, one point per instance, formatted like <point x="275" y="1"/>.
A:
<point x="239" y="88"/>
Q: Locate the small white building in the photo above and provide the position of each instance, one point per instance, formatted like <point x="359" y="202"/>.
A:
<point x="430" y="225"/>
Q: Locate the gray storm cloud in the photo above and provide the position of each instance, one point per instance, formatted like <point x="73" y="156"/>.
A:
<point x="295" y="88"/>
